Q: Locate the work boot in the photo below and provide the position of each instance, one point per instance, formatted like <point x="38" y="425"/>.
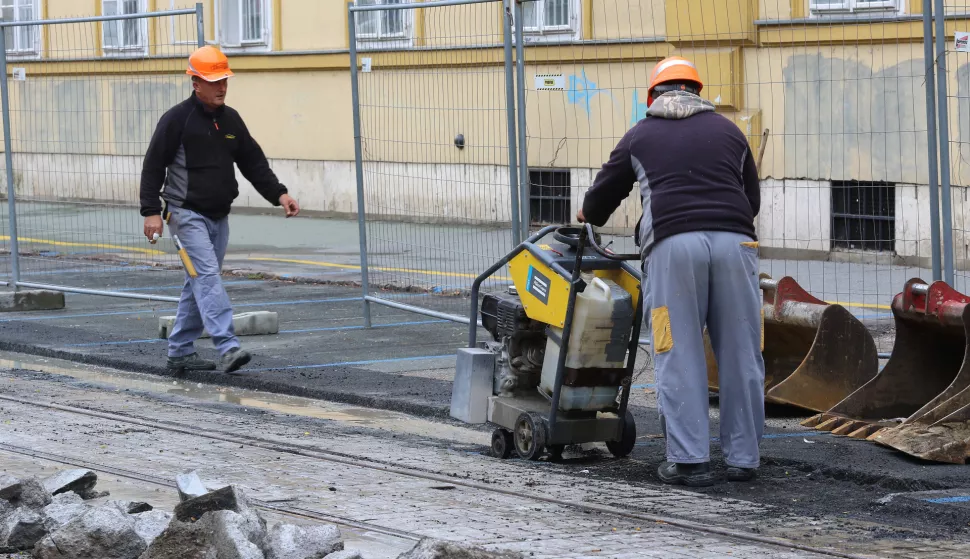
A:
<point x="234" y="359"/>
<point x="741" y="474"/>
<point x="191" y="362"/>
<point x="691" y="475"/>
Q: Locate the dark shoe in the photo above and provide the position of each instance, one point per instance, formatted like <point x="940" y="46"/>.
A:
<point x="741" y="474"/>
<point x="691" y="475"/>
<point x="235" y="359"/>
<point x="191" y="363"/>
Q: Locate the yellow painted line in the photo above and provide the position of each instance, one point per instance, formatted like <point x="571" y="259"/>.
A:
<point x="377" y="268"/>
<point x="861" y="305"/>
<point x="150" y="251"/>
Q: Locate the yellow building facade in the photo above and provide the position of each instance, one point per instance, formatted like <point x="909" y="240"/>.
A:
<point x="838" y="84"/>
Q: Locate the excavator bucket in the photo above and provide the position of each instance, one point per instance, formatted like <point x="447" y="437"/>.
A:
<point x="815" y="353"/>
<point x="920" y="402"/>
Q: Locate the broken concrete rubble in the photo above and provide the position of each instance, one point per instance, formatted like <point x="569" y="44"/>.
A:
<point x="103" y="532"/>
<point x="149" y="525"/>
<point x="227" y="498"/>
<point x="190" y="486"/>
<point x="64" y="508"/>
<point x="224" y="534"/>
<point x="28" y="492"/>
<point x="21" y="529"/>
<point x="346" y="554"/>
<point x="287" y="541"/>
<point x="79" y="481"/>
<point x="130" y="507"/>
<point x="429" y="548"/>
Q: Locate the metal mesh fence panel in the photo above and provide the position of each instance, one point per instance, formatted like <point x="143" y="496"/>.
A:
<point x="83" y="98"/>
<point x="954" y="68"/>
<point x="434" y="149"/>
<point x="832" y="92"/>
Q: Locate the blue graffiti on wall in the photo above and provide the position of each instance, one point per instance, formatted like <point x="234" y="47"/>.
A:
<point x="639" y="109"/>
<point x="581" y="91"/>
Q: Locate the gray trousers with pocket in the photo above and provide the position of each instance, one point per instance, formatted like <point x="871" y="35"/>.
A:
<point x="697" y="279"/>
<point x="204" y="304"/>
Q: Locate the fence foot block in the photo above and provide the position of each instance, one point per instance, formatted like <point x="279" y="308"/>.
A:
<point x="260" y="323"/>
<point x="31" y="300"/>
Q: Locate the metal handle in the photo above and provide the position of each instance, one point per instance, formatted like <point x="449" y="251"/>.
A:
<point x="591" y="239"/>
<point x="920" y="288"/>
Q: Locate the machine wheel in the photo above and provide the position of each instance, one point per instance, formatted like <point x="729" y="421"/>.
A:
<point x="502" y="443"/>
<point x="555" y="452"/>
<point x="623" y="447"/>
<point x="529" y="436"/>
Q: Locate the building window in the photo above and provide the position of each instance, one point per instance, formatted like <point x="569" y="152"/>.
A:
<point x="124" y="35"/>
<point x="244" y="23"/>
<point x="854" y="6"/>
<point x="21" y="40"/>
<point x="864" y="215"/>
<point x="550" y="198"/>
<point x="382" y="25"/>
<point x="549" y="16"/>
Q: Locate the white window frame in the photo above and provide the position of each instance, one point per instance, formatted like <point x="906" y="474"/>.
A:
<point x="551" y="33"/>
<point x="24" y="51"/>
<point x="264" y="43"/>
<point x="381" y="39"/>
<point x="855" y="7"/>
<point x="141" y="48"/>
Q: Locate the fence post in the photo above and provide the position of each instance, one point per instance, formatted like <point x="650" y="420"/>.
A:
<point x="931" y="138"/>
<point x="8" y="159"/>
<point x="510" y="115"/>
<point x="358" y="161"/>
<point x="525" y="188"/>
<point x="944" y="131"/>
<point x="200" y="22"/>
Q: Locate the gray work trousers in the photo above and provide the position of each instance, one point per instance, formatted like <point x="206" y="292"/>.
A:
<point x="204" y="304"/>
<point x="697" y="279"/>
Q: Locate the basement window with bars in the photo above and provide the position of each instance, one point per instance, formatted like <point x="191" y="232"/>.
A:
<point x="855" y="7"/>
<point x="550" y="198"/>
<point x="243" y="23"/>
<point x="382" y="25"/>
<point x="864" y="216"/>
<point x="21" y="41"/>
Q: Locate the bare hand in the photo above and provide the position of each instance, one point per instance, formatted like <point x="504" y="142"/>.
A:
<point x="153" y="226"/>
<point x="289" y="205"/>
<point x="580" y="217"/>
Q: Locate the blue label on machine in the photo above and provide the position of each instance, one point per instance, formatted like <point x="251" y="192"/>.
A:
<point x="538" y="285"/>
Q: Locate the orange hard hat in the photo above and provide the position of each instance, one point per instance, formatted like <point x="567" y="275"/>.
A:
<point x="673" y="69"/>
<point x="209" y="64"/>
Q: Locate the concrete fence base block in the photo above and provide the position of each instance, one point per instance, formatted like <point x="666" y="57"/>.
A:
<point x="31" y="300"/>
<point x="258" y="323"/>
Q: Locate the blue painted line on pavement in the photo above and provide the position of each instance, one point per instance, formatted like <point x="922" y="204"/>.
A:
<point x="944" y="500"/>
<point x="307" y="330"/>
<point x="242" y="305"/>
<point x="353" y="363"/>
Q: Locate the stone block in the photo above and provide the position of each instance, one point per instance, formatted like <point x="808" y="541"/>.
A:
<point x="429" y="548"/>
<point x="130" y="507"/>
<point x="21" y="529"/>
<point x="223" y="534"/>
<point x="103" y="532"/>
<point x="27" y="492"/>
<point x="190" y="486"/>
<point x="474" y="371"/>
<point x="149" y="525"/>
<point x="64" y="508"/>
<point x="31" y="300"/>
<point x="288" y="541"/>
<point x="79" y="481"/>
<point x="259" y="323"/>
<point x="346" y="554"/>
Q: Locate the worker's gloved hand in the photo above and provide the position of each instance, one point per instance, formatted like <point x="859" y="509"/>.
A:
<point x="289" y="205"/>
<point x="153" y="227"/>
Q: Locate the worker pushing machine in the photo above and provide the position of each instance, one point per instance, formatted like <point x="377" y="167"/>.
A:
<point x="192" y="153"/>
<point x="700" y="191"/>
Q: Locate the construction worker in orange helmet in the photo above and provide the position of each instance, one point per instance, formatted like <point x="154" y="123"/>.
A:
<point x="700" y="192"/>
<point x="673" y="74"/>
<point x="188" y="181"/>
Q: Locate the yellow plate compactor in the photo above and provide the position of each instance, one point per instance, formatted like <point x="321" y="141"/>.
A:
<point x="559" y="365"/>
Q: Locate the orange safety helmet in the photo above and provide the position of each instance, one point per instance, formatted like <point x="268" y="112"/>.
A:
<point x="673" y="69"/>
<point x="209" y="64"/>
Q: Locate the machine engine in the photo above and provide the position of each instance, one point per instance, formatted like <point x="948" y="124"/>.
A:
<point x="519" y="344"/>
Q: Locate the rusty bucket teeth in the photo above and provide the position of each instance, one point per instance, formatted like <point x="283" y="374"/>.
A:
<point x="864" y="431"/>
<point x="830" y="424"/>
<point x="848" y="427"/>
<point x="876" y="433"/>
<point x="813" y="421"/>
